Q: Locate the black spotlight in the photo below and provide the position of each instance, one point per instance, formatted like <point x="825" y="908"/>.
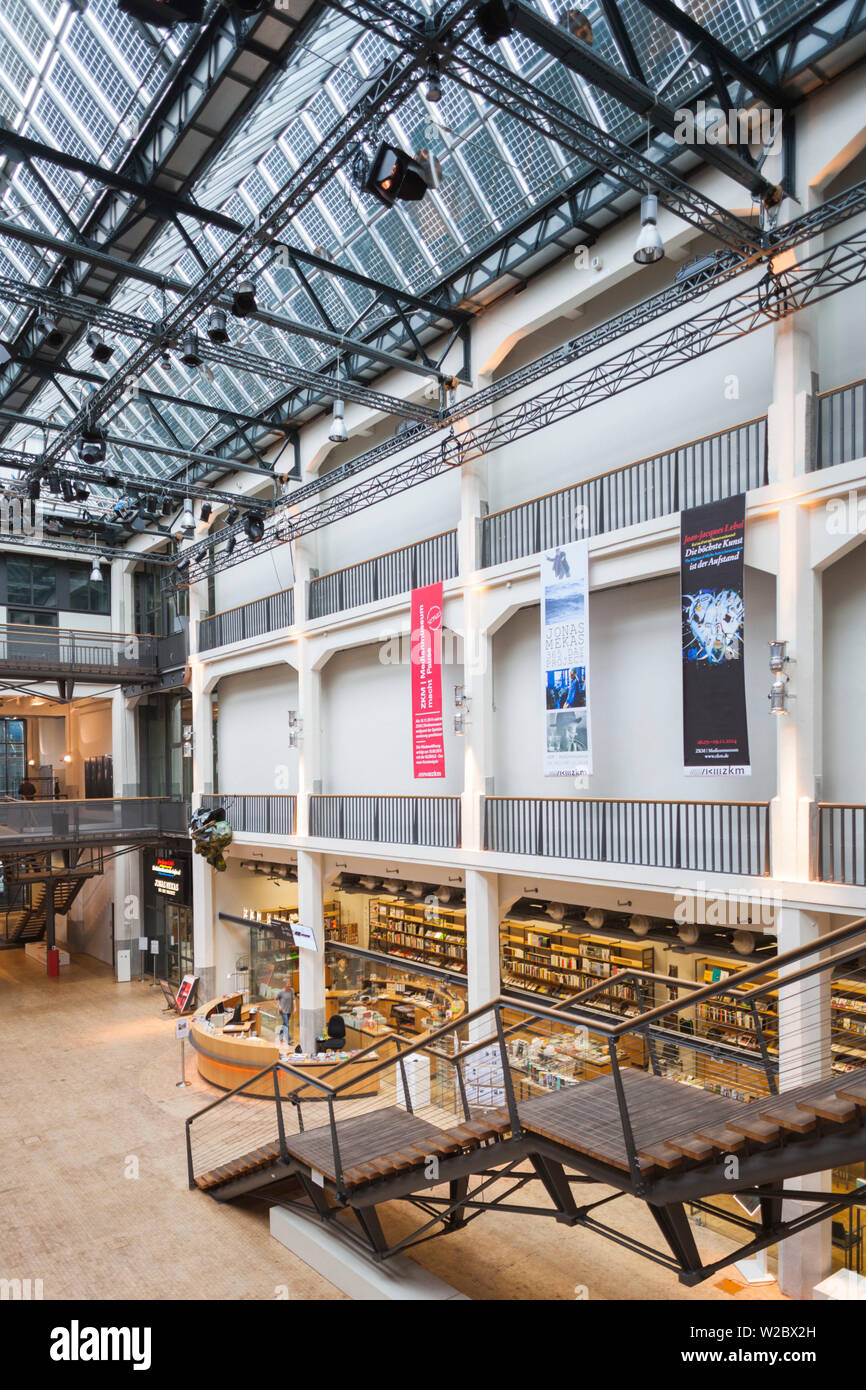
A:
<point x="232" y="515"/>
<point x="165" y="360"/>
<point x="67" y="490"/>
<point x="231" y="543"/>
<point x="82" y="492"/>
<point x="46" y="324"/>
<point x="182" y="564"/>
<point x="99" y="349"/>
<point x="216" y="326"/>
<point x="244" y="299"/>
<point x="395" y="175"/>
<point x="90" y="446"/>
<point x="205" y="513"/>
<point x="494" y="21"/>
<point x="166" y="506"/>
<point x="34" y="487"/>
<point x="164" y="13"/>
<point x="53" y="480"/>
<point x="189" y="353"/>
<point x="254" y="527"/>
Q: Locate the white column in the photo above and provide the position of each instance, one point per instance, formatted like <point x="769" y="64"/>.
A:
<point x="804" y="1055"/>
<point x="477" y="685"/>
<point x="482" y="937"/>
<point x="311" y="964"/>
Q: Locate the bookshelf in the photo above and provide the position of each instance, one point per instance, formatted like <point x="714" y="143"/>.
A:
<point x="847" y="1024"/>
<point x="562" y="962"/>
<point x="411" y="931"/>
<point x="727" y="1016"/>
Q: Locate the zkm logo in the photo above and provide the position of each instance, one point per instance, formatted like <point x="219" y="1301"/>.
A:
<point x="77" y="1343"/>
<point x="20" y="1290"/>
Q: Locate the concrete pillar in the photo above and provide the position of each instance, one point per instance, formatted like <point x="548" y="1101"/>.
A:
<point x="804" y="1055"/>
<point x="477" y="684"/>
<point x="482" y="937"/>
<point x="311" y="964"/>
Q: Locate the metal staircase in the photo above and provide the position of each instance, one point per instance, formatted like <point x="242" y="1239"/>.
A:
<point x="408" y="1126"/>
<point x="28" y="923"/>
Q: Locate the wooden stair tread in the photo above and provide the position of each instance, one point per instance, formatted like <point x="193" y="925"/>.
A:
<point x="480" y="1128"/>
<point x="789" y="1117"/>
<point x="723" y="1139"/>
<point x="465" y="1137"/>
<point x="661" y="1155"/>
<point x="762" y="1131"/>
<point x="853" y="1090"/>
<point x="830" y="1108"/>
<point x="360" y="1173"/>
<point x="691" y="1146"/>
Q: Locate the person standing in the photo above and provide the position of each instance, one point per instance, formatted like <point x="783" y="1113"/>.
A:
<point x="286" y="1006"/>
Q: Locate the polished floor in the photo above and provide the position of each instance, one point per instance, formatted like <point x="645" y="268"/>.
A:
<point x="94" y="1190"/>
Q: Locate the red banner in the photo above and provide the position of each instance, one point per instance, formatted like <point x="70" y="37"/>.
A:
<point x="428" y="742"/>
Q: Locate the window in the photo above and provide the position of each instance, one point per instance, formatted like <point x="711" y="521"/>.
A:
<point x="31" y="582"/>
<point x="13" y="756"/>
<point x="86" y="597"/>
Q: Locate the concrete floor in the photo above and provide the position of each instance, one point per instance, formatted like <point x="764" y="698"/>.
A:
<point x="94" y="1191"/>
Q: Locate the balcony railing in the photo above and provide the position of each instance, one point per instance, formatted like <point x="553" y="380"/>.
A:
<point x="112" y="821"/>
<point x="841" y="843"/>
<point x="247" y="620"/>
<point x="390" y="820"/>
<point x="712" y="836"/>
<point x="258" y="814"/>
<point x="32" y="650"/>
<point x="841" y="425"/>
<point x="706" y="470"/>
<point x="385" y="576"/>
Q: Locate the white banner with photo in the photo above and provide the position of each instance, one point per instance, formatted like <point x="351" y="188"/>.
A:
<point x="565" y="660"/>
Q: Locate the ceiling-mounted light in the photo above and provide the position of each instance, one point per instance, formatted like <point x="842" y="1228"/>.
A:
<point x="244" y="299"/>
<point x="395" y="175"/>
<point x="46" y="325"/>
<point x="182" y="565"/>
<point x="82" y="491"/>
<point x="368" y="882"/>
<point x="187" y="520"/>
<point x="230" y="544"/>
<point x="744" y="942"/>
<point x="415" y="890"/>
<point x="443" y="894"/>
<point x="391" y="885"/>
<point x="689" y="933"/>
<point x="778" y="695"/>
<point x="254" y="527"/>
<point x="338" y="434"/>
<point x="90" y="445"/>
<point x="165" y="360"/>
<point x="595" y="917"/>
<point x="34" y="486"/>
<point x="778" y="655"/>
<point x="67" y="490"/>
<point x="232" y="515"/>
<point x="556" y="911"/>
<point x="433" y="80"/>
<point x="205" y="513"/>
<point x="494" y="20"/>
<point x="190" y="355"/>
<point x="99" y="349"/>
<point x="96" y="571"/>
<point x="639" y="924"/>
<point x="577" y="23"/>
<point x="217" y="326"/>
<point x="650" y="247"/>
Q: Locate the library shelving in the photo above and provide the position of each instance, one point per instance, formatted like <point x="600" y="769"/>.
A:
<point x="559" y="962"/>
<point x="418" y="932"/>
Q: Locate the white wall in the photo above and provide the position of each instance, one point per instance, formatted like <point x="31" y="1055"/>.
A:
<point x="236" y="889"/>
<point x="844" y="586"/>
<point x="253" y="731"/>
<point x="367" y="728"/>
<point x="635" y="698"/>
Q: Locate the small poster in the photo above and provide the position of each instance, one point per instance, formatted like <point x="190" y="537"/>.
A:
<point x="184" y="994"/>
<point x="565" y="660"/>
<point x="428" y="740"/>
<point x="304" y="936"/>
<point x="715" y="732"/>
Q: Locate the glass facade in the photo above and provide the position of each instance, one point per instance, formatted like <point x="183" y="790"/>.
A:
<point x="13" y="755"/>
<point x="164" y="732"/>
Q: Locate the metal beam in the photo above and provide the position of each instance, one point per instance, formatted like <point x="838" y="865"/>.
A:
<point x="727" y="59"/>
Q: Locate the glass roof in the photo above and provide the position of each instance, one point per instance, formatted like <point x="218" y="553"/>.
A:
<point x="83" y="80"/>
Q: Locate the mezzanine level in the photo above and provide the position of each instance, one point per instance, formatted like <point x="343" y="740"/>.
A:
<point x="116" y="820"/>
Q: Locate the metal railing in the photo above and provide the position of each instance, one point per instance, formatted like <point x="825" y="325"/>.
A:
<point x="705" y="470"/>
<point x="253" y="619"/>
<point x="30" y="649"/>
<point x="841" y="425"/>
<point x="257" y="814"/>
<point x="841" y="850"/>
<point x="71" y="822"/>
<point x="392" y="820"/>
<point x="395" y="572"/>
<point x="712" y="836"/>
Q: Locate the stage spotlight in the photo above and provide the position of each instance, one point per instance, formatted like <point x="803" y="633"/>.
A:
<point x="46" y="324"/>
<point x="187" y="520"/>
<point x="96" y="571"/>
<point x="189" y="353"/>
<point x="230" y="544"/>
<point x="433" y="80"/>
<point x="165" y="360"/>
<point x="244" y="299"/>
<point x="577" y="23"/>
<point x="90" y="446"/>
<point x="34" y="487"/>
<point x="205" y="513"/>
<point x="395" y="175"/>
<point x="650" y="247"/>
<point x="338" y="434"/>
<point x="67" y="490"/>
<point x="99" y="349"/>
<point x="217" y="330"/>
<point x="232" y="515"/>
<point x="163" y="13"/>
<point x="494" y="21"/>
<point x="166" y="506"/>
<point x="82" y="492"/>
<point x="254" y="527"/>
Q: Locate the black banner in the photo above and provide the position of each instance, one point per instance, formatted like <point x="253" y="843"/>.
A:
<point x="715" y="734"/>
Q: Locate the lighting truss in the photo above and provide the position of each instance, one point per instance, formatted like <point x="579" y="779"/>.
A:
<point x="771" y="298"/>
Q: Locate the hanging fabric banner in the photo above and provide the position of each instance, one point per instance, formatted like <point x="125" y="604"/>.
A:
<point x="565" y="660"/>
<point x="428" y="742"/>
<point x="715" y="733"/>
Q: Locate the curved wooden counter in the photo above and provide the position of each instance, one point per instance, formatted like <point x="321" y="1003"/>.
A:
<point x="226" y="1059"/>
